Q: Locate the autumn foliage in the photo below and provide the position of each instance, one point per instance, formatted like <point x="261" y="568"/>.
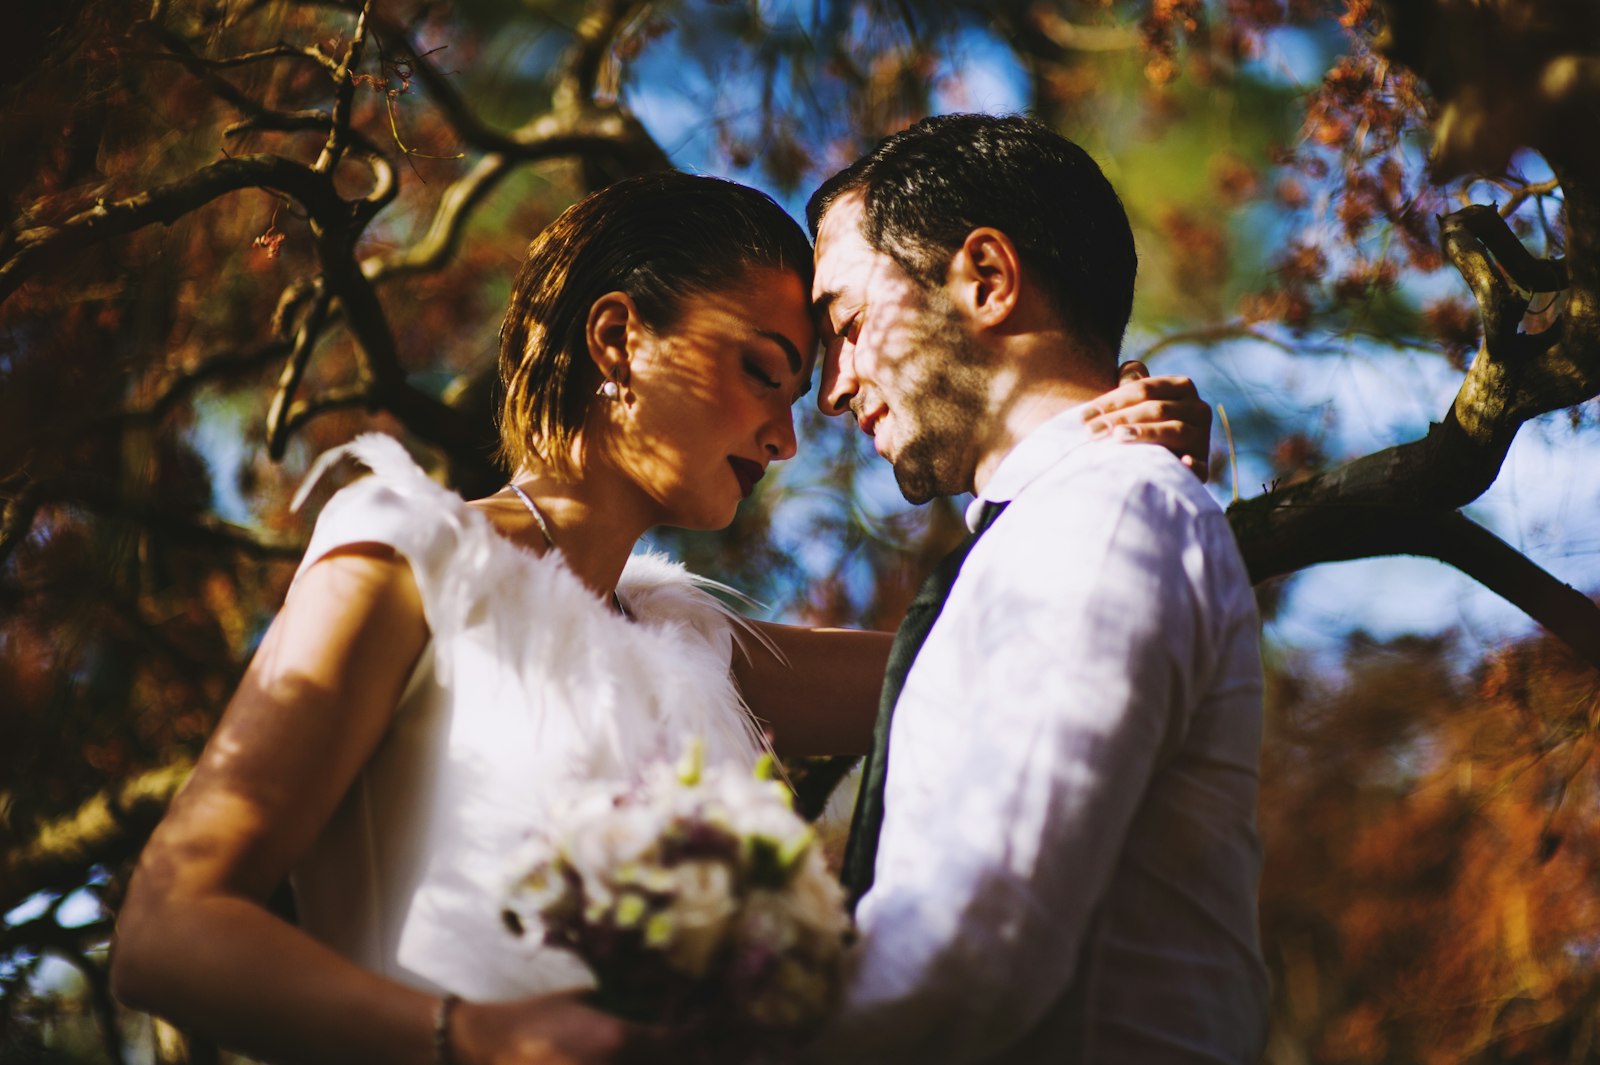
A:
<point x="1433" y="851"/>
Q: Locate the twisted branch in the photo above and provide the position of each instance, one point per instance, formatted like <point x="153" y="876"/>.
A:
<point x="294" y="369"/>
<point x="34" y="248"/>
<point x="1403" y="500"/>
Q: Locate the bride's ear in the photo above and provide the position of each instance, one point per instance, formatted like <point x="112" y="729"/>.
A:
<point x="613" y="322"/>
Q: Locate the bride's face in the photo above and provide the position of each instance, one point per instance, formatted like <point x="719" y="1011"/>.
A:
<point x="712" y="397"/>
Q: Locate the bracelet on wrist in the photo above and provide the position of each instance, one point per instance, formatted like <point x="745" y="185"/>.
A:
<point x="442" y="1054"/>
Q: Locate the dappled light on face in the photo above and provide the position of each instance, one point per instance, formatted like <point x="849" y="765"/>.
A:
<point x="709" y="399"/>
<point x="901" y="357"/>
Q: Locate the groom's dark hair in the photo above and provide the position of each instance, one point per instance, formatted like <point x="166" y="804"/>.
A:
<point x="926" y="187"/>
<point x="660" y="238"/>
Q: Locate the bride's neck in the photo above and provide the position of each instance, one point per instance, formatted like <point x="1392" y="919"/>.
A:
<point x="591" y="525"/>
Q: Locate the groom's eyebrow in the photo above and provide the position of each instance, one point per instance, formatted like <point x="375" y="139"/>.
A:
<point x="819" y="311"/>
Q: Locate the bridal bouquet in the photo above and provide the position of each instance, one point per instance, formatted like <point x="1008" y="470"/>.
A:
<point x="697" y="898"/>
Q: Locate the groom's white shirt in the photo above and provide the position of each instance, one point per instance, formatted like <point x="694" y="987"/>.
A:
<point x="1068" y="864"/>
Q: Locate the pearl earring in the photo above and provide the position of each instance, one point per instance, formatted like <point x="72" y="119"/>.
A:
<point x="610" y="390"/>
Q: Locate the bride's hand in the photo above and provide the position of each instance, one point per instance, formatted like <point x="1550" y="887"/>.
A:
<point x="549" y="1030"/>
<point x="1167" y="411"/>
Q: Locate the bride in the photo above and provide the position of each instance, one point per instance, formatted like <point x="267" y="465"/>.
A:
<point x="442" y="670"/>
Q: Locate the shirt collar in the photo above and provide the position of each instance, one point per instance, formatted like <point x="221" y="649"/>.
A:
<point x="1036" y="453"/>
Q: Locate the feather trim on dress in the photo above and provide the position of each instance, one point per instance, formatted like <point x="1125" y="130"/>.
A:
<point x="669" y="667"/>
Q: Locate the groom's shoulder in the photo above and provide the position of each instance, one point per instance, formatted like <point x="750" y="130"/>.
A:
<point x="1107" y="474"/>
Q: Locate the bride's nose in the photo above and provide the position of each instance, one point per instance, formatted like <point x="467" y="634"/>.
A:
<point x="777" y="437"/>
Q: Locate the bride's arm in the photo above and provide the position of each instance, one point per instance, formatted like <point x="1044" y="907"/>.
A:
<point x="194" y="941"/>
<point x="1166" y="411"/>
<point x="821" y="696"/>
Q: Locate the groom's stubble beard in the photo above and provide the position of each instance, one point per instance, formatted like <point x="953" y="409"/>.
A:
<point x="942" y="402"/>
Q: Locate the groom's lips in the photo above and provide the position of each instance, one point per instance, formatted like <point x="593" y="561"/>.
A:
<point x="748" y="472"/>
<point x="869" y="423"/>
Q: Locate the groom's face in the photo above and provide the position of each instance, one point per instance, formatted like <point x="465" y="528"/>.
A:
<point x="899" y="356"/>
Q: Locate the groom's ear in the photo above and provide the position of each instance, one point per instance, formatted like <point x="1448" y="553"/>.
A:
<point x="613" y="323"/>
<point x="985" y="277"/>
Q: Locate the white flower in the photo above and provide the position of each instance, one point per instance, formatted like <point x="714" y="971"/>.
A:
<point x="541" y="888"/>
<point x="704" y="869"/>
<point x="702" y="905"/>
<point x="604" y="843"/>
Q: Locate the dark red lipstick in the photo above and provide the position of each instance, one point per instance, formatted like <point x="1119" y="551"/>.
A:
<point x="748" y="472"/>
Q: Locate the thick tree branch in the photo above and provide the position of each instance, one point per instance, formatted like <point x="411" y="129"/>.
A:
<point x="593" y="40"/>
<point x="1403" y="500"/>
<point x="575" y="125"/>
<point x="35" y="248"/>
<point x="439" y="245"/>
<point x="1487" y="225"/>
<point x="1286" y="538"/>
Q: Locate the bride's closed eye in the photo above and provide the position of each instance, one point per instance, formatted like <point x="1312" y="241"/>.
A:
<point x="754" y="369"/>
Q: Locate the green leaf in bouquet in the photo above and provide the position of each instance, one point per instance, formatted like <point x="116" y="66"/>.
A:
<point x="771" y="863"/>
<point x="693" y="763"/>
<point x="631" y="909"/>
<point x="658" y="930"/>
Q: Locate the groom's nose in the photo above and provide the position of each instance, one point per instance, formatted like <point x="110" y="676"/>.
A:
<point x="839" y="384"/>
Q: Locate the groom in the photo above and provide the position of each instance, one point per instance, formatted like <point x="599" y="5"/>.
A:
<point x="1055" y="851"/>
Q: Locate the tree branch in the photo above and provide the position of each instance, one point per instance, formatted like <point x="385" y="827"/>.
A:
<point x="1402" y="500"/>
<point x="575" y="125"/>
<point x="344" y="96"/>
<point x="179" y="385"/>
<point x="443" y="238"/>
<point x="35" y="248"/>
<point x="202" y="529"/>
<point x="294" y="368"/>
<point x="16" y="520"/>
<point x="108" y="829"/>
<point x="596" y="34"/>
<point x="330" y="400"/>
<point x="1291" y="538"/>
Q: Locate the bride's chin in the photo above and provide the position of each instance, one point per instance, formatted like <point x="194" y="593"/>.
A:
<point x="715" y="523"/>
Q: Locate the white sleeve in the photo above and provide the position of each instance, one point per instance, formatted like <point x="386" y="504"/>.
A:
<point x="400" y="507"/>
<point x="1021" y="749"/>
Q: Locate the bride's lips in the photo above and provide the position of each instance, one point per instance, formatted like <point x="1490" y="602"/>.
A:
<point x="748" y="472"/>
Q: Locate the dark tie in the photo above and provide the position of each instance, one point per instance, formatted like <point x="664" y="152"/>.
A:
<point x="861" y="852"/>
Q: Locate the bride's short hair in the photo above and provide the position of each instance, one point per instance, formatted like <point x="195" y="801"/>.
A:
<point x="658" y="237"/>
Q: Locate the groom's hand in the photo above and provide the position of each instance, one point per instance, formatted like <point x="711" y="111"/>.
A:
<point x="549" y="1030"/>
<point x="1166" y="411"/>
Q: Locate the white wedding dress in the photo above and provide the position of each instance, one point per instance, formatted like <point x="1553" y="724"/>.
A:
<point x="530" y="686"/>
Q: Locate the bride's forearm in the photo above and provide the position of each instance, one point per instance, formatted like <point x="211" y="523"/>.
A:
<point x="821" y="695"/>
<point x="225" y="968"/>
<point x="195" y="942"/>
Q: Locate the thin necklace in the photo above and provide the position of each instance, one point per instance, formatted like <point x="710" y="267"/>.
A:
<point x="550" y="541"/>
<point x="538" y="516"/>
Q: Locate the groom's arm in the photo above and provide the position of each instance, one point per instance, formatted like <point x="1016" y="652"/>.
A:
<point x="1014" y="778"/>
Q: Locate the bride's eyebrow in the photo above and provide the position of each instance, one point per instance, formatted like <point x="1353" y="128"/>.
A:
<point x="790" y="352"/>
